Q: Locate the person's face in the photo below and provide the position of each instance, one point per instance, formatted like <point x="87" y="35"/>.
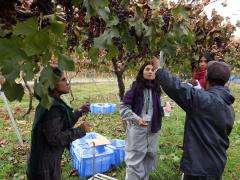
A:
<point x="148" y="72"/>
<point x="203" y="63"/>
<point x="62" y="87"/>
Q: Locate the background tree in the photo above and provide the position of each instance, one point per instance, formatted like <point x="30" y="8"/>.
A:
<point x="123" y="32"/>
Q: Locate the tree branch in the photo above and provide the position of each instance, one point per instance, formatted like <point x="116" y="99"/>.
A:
<point x="30" y="106"/>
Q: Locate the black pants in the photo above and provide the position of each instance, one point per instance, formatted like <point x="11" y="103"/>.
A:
<point x="188" y="177"/>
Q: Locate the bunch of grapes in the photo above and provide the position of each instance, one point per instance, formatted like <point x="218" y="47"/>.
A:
<point x="79" y="18"/>
<point x="96" y="26"/>
<point x="218" y="41"/>
<point x="144" y="51"/>
<point x="87" y="44"/>
<point x="119" y="10"/>
<point x="166" y="19"/>
<point x="7" y="13"/>
<point x="72" y="41"/>
<point x="42" y="6"/>
<point x="147" y="11"/>
<point x="44" y="23"/>
<point x="117" y="42"/>
<point x="68" y="8"/>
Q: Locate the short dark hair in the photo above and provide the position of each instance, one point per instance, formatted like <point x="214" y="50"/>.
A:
<point x="56" y="71"/>
<point x="218" y="73"/>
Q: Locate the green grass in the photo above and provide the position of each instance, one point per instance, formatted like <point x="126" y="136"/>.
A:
<point x="13" y="157"/>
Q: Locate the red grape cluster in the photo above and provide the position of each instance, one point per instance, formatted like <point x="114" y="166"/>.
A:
<point x="42" y="6"/>
<point x="147" y="11"/>
<point x="7" y="13"/>
<point x="72" y="41"/>
<point x="166" y="19"/>
<point x="79" y="17"/>
<point x="87" y="44"/>
<point x="68" y="8"/>
<point x="218" y="41"/>
<point x="96" y="27"/>
<point x="119" y="10"/>
<point x="117" y="42"/>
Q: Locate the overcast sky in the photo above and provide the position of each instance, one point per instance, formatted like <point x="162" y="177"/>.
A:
<point x="232" y="10"/>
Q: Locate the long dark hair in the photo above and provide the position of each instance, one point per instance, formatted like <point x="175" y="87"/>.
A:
<point x="208" y="55"/>
<point x="140" y="83"/>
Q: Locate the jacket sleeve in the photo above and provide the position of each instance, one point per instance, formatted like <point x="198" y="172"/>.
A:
<point x="126" y="112"/>
<point x="181" y="93"/>
<point x="76" y="115"/>
<point x="52" y="129"/>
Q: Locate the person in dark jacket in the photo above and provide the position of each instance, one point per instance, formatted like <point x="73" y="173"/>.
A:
<point x="141" y="110"/>
<point x="200" y="71"/>
<point x="209" y="120"/>
<point x="52" y="132"/>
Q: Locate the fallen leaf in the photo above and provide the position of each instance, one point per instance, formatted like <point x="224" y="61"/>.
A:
<point x="5" y="116"/>
<point x="21" y="122"/>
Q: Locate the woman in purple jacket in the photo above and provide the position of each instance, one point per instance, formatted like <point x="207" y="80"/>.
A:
<point x="141" y="110"/>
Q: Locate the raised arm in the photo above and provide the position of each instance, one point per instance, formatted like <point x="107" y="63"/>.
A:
<point x="181" y="93"/>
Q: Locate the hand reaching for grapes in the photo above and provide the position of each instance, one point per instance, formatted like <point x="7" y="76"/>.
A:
<point x="85" y="108"/>
<point x="158" y="62"/>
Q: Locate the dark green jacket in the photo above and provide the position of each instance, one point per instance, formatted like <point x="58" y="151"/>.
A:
<point x="52" y="132"/>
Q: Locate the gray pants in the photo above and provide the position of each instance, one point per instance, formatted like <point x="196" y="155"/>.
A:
<point x="141" y="151"/>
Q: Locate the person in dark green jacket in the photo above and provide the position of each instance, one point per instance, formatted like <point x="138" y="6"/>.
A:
<point x="209" y="120"/>
<point x="52" y="132"/>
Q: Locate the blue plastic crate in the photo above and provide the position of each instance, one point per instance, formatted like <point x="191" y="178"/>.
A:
<point x="113" y="108"/>
<point x="118" y="146"/>
<point x="83" y="160"/>
<point x="84" y="140"/>
<point x="103" y="108"/>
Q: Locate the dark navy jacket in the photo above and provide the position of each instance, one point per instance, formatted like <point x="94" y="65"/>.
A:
<point x="209" y="121"/>
<point x="136" y="102"/>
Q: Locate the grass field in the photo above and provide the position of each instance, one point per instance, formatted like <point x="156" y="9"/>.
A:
<point x="13" y="157"/>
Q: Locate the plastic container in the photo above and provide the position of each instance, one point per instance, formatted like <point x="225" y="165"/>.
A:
<point x="82" y="153"/>
<point x="113" y="108"/>
<point x="118" y="146"/>
<point x="83" y="160"/>
<point x="103" y="108"/>
<point x="84" y="141"/>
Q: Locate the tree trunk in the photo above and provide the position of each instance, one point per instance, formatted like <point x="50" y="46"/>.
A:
<point x="30" y="106"/>
<point x="121" y="84"/>
<point x="119" y="74"/>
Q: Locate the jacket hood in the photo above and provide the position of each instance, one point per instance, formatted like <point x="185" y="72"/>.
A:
<point x="224" y="93"/>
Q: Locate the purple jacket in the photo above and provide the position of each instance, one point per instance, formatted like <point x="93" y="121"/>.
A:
<point x="136" y="101"/>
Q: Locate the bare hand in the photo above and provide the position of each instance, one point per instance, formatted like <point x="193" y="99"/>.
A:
<point x="85" y="126"/>
<point x="85" y="108"/>
<point x="142" y="123"/>
<point x="156" y="63"/>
